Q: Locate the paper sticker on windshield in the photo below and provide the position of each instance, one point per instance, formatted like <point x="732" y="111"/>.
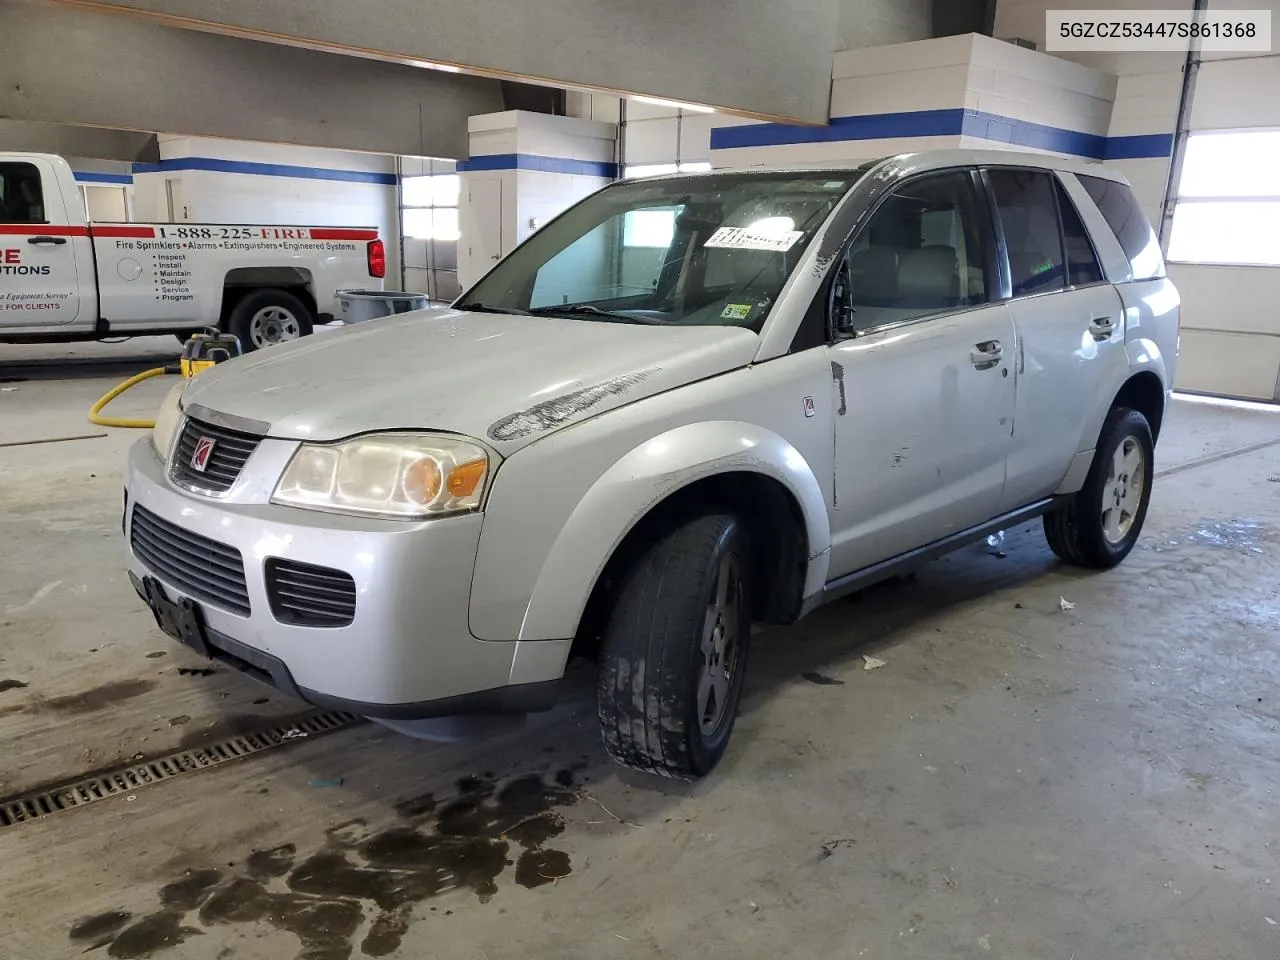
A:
<point x="736" y="311"/>
<point x="742" y="238"/>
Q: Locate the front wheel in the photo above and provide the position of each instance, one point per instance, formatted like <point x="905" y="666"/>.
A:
<point x="1100" y="524"/>
<point x="264" y="318"/>
<point x="675" y="648"/>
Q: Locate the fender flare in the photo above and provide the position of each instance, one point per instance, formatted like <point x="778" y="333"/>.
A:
<point x="640" y="480"/>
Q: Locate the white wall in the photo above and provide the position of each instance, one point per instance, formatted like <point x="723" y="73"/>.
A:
<point x="272" y="184"/>
<point x="950" y="92"/>
<point x="525" y="169"/>
<point x="107" y="188"/>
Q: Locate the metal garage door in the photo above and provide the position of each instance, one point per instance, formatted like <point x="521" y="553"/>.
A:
<point x="1224" y="247"/>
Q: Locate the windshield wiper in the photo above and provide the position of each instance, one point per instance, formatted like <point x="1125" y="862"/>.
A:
<point x="587" y="310"/>
<point x="486" y="308"/>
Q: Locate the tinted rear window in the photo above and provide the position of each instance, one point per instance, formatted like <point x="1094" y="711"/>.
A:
<point x="1032" y="234"/>
<point x="1130" y="225"/>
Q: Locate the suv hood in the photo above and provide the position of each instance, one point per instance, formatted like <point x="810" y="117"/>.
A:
<point x="506" y="380"/>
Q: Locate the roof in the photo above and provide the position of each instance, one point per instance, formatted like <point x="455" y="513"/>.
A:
<point x="923" y="161"/>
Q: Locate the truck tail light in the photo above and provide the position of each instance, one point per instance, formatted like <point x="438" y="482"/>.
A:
<point x="377" y="259"/>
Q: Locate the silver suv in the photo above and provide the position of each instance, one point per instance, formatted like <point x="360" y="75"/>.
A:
<point x="684" y="405"/>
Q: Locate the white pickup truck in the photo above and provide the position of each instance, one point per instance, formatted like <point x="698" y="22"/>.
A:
<point x="63" y="278"/>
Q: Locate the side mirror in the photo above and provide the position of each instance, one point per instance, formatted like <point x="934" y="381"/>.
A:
<point x="842" y="309"/>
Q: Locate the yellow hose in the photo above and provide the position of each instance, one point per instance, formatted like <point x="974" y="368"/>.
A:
<point x="95" y="412"/>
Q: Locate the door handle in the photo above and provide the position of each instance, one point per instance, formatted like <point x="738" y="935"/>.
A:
<point x="55" y="241"/>
<point x="987" y="354"/>
<point x="1102" y="327"/>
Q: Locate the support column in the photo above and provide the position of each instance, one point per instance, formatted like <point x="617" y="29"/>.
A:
<point x="524" y="169"/>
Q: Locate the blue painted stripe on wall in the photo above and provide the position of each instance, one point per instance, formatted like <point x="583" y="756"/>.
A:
<point x="1140" y="147"/>
<point x="878" y="126"/>
<point x="214" y="165"/>
<point x="946" y="123"/>
<point x="1022" y="133"/>
<point x="115" y="179"/>
<point x="529" y="161"/>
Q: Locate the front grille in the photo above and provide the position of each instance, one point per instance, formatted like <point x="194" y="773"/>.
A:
<point x="305" y="595"/>
<point x="231" y="450"/>
<point x="201" y="568"/>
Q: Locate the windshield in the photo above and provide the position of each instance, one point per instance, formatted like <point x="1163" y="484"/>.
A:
<point x="692" y="251"/>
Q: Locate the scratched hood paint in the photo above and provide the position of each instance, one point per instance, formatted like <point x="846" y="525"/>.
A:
<point x="507" y="380"/>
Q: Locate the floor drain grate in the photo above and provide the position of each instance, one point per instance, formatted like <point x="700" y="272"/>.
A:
<point x="44" y="801"/>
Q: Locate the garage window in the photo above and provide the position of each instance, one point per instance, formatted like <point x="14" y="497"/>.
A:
<point x="430" y="206"/>
<point x="21" y="197"/>
<point x="1228" y="206"/>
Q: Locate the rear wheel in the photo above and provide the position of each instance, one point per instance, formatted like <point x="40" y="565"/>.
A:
<point x="674" y="651"/>
<point x="264" y="318"/>
<point x="1100" y="524"/>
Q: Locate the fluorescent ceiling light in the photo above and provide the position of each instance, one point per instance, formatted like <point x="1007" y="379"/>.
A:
<point x="675" y="104"/>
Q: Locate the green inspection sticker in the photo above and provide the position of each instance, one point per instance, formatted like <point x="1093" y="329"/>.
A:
<point x="736" y="311"/>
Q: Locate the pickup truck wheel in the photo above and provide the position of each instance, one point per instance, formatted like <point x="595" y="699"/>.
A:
<point x="1100" y="524"/>
<point x="674" y="651"/>
<point x="264" y="318"/>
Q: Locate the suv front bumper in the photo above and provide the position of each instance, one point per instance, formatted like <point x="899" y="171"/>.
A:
<point x="407" y="653"/>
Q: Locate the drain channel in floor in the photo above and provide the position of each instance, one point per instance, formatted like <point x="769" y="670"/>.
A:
<point x="70" y="794"/>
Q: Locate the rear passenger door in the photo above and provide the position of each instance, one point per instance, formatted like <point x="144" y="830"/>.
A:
<point x="1069" y="320"/>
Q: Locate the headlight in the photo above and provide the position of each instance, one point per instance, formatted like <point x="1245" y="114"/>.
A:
<point x="396" y="475"/>
<point x="167" y="419"/>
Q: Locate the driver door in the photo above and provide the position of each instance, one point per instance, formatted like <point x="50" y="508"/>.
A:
<point x="922" y="368"/>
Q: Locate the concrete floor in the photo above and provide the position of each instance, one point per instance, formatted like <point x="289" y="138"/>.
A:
<point x="1019" y="780"/>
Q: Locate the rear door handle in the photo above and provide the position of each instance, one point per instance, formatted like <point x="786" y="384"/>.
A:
<point x="987" y="354"/>
<point x="1102" y="327"/>
<point x="55" y="241"/>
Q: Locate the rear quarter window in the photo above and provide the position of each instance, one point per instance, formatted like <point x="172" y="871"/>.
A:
<point x="1119" y="207"/>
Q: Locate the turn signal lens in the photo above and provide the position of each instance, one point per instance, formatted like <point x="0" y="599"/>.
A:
<point x="393" y="475"/>
<point x="464" y="479"/>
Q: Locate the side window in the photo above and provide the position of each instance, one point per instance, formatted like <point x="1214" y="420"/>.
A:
<point x="1082" y="260"/>
<point x="1030" y="218"/>
<point x="21" y="198"/>
<point x="921" y="253"/>
<point x="1137" y="238"/>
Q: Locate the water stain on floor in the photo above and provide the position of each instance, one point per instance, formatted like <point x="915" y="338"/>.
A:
<point x="361" y="880"/>
<point x="1245" y="534"/>
<point x="98" y="698"/>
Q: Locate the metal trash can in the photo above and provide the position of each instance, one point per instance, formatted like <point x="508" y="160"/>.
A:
<point x="360" y="305"/>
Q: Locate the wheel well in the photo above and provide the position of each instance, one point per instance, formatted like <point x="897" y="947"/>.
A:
<point x="775" y="528"/>
<point x="1145" y="393"/>
<point x="245" y="280"/>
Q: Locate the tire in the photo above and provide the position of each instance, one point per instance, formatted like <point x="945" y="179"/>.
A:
<point x="1100" y="524"/>
<point x="269" y="316"/>
<point x="660" y="712"/>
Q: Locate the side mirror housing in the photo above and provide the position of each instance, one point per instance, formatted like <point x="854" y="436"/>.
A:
<point x="842" y="310"/>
